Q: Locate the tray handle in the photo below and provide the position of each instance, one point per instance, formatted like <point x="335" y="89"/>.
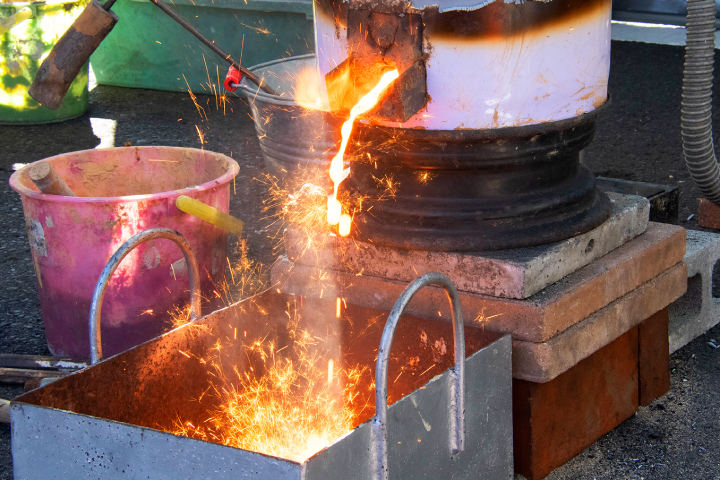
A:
<point x="99" y="292"/>
<point x="457" y="393"/>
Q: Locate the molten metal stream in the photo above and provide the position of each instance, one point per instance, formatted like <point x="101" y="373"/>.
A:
<point x="338" y="173"/>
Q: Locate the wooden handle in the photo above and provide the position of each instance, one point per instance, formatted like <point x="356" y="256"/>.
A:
<point x="70" y="53"/>
<point x="48" y="181"/>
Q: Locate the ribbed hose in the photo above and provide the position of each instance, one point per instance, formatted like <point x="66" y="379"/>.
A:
<point x="696" y="116"/>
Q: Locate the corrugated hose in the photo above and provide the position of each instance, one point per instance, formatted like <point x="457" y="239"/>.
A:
<point x="696" y="113"/>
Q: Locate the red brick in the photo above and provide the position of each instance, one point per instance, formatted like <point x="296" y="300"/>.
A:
<point x="654" y="357"/>
<point x="708" y="214"/>
<point x="556" y="420"/>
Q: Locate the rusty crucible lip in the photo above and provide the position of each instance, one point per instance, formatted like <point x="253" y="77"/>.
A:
<point x="473" y="190"/>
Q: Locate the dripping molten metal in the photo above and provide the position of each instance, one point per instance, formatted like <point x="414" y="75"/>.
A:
<point x="338" y="172"/>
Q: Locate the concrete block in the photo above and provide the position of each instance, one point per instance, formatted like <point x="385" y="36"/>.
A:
<point x="554" y="421"/>
<point x="653" y="357"/>
<point x="536" y="319"/>
<point x="517" y="273"/>
<point x="697" y="311"/>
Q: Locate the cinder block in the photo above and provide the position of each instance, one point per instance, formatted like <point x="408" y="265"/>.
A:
<point x="697" y="311"/>
<point x="515" y="273"/>
<point x="653" y="357"/>
<point x="535" y="319"/>
<point x="556" y="420"/>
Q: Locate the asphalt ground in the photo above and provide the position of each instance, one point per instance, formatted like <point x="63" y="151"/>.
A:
<point x="676" y="437"/>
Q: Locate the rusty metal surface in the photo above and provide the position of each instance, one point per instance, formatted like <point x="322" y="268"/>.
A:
<point x="116" y="415"/>
<point x="379" y="41"/>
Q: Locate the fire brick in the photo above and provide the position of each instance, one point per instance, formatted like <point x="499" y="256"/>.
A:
<point x="708" y="214"/>
<point x="554" y="421"/>
<point x="654" y="357"/>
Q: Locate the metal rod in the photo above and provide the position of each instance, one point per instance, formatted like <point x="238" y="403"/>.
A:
<point x="250" y="76"/>
<point x="457" y="393"/>
<point x="127" y="247"/>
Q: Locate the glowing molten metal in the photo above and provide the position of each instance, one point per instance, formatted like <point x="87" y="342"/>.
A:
<point x="338" y="173"/>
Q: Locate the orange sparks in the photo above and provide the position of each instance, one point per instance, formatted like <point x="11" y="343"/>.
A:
<point x="288" y="406"/>
<point x="338" y="172"/>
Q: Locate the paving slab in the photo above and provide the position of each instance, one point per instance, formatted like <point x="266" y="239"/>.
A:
<point x="533" y="361"/>
<point x="535" y="319"/>
<point x="698" y="310"/>
<point x="515" y="273"/>
<point x="708" y="214"/>
<point x="541" y="362"/>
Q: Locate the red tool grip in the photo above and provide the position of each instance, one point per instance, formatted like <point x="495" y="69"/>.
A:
<point x="232" y="79"/>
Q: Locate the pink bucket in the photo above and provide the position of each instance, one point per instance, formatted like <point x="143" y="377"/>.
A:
<point x="122" y="191"/>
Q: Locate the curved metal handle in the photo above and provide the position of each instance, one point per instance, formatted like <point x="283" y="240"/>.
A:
<point x="99" y="293"/>
<point x="457" y="394"/>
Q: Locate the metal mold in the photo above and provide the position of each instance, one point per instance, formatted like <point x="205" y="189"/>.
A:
<point x="112" y="420"/>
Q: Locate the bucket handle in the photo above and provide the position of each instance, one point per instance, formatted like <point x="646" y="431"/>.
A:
<point x="457" y="389"/>
<point x="99" y="293"/>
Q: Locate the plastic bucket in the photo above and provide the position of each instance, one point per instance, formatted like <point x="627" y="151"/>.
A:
<point x="122" y="191"/>
<point x="22" y="50"/>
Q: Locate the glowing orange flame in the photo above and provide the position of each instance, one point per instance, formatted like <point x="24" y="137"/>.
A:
<point x="338" y="172"/>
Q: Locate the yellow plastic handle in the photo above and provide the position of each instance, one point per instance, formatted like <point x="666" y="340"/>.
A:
<point x="19" y="16"/>
<point x="209" y="214"/>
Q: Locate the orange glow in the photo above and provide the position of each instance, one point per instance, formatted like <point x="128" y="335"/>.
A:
<point x="338" y="172"/>
<point x="294" y="403"/>
<point x="307" y="90"/>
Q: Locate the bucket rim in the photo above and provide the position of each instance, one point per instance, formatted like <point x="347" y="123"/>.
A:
<point x="230" y="174"/>
<point x="254" y="92"/>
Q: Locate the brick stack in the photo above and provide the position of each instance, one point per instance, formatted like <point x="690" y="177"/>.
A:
<point x="588" y="317"/>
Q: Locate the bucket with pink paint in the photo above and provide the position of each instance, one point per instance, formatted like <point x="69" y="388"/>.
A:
<point x="120" y="192"/>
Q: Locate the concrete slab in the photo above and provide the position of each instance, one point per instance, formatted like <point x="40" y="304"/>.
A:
<point x="697" y="311"/>
<point x="533" y="361"/>
<point x="535" y="319"/>
<point x="517" y="273"/>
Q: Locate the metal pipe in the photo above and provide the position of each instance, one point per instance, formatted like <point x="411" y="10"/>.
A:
<point x="696" y="112"/>
<point x="457" y="393"/>
<point x="120" y="254"/>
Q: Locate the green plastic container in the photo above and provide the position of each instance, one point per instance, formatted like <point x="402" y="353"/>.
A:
<point x="22" y="50"/>
<point x="147" y="49"/>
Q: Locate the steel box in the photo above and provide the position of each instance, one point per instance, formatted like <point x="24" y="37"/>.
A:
<point x="108" y="421"/>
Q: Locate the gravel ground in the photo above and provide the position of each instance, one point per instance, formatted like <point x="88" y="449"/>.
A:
<point x="675" y="437"/>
